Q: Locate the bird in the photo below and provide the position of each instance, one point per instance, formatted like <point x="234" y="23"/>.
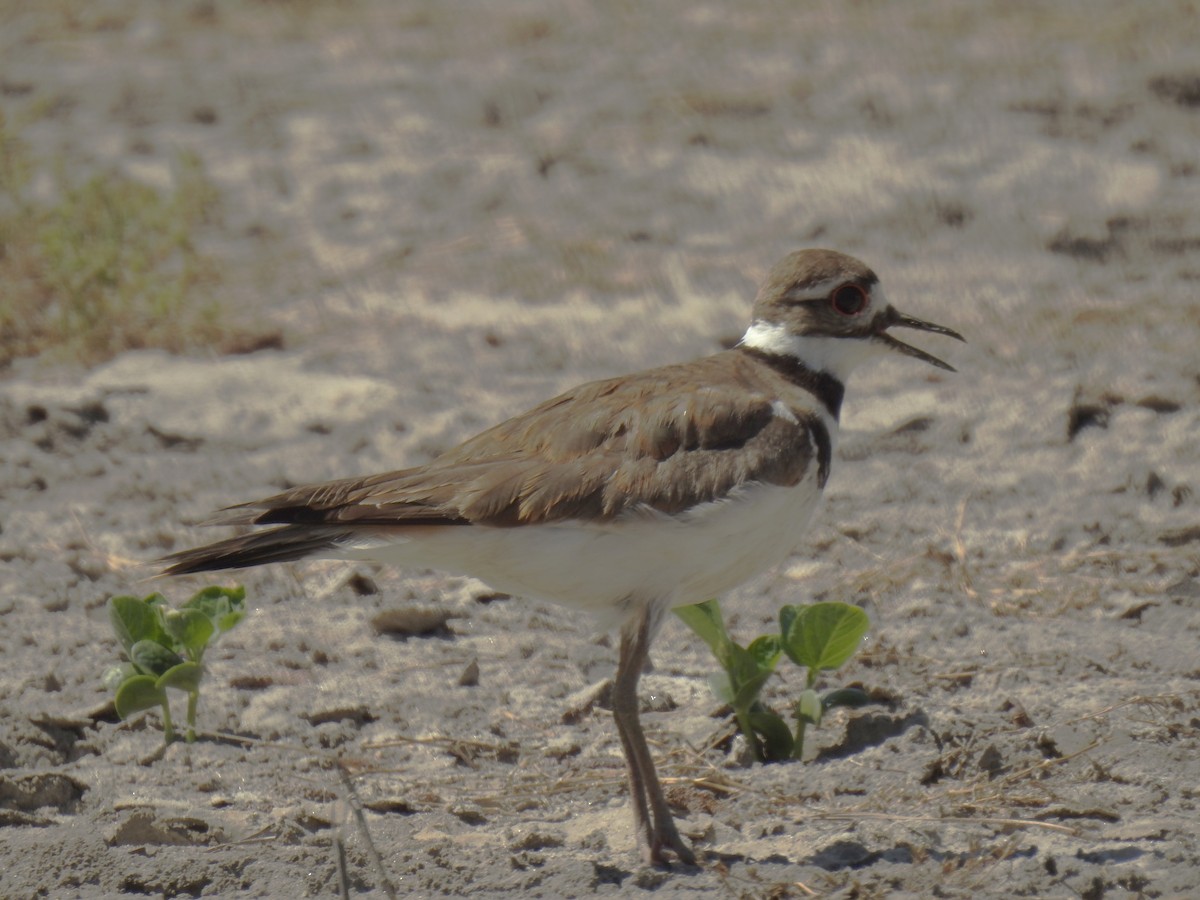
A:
<point x="626" y="497"/>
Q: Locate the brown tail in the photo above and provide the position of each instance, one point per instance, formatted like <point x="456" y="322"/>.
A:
<point x="285" y="544"/>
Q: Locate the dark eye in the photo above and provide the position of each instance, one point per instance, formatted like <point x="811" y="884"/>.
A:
<point x="849" y="300"/>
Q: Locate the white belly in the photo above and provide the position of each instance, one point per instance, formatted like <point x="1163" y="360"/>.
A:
<point x="607" y="568"/>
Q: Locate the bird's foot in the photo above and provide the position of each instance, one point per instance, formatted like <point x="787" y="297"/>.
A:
<point x="665" y="846"/>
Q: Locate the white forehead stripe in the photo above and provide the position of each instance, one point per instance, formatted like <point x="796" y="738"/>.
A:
<point x="818" y="291"/>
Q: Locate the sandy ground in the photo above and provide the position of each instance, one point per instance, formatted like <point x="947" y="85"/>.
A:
<point x="450" y="211"/>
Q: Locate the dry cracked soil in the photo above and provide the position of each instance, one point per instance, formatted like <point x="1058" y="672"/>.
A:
<point x="432" y="215"/>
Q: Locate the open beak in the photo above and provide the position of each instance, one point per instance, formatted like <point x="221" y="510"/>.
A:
<point x="899" y="320"/>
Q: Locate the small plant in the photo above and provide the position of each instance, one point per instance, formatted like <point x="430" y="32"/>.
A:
<point x="101" y="264"/>
<point x="821" y="637"/>
<point x="165" y="648"/>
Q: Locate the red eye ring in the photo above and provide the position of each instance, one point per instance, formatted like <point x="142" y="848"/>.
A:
<point x="848" y="300"/>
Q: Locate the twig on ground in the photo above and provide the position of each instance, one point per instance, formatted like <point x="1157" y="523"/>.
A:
<point x="360" y="820"/>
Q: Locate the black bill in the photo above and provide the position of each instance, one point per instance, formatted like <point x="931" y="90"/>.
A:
<point x="900" y="320"/>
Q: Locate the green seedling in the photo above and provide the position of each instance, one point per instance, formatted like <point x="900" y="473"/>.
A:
<point x="744" y="671"/>
<point x="165" y="649"/>
<point x="820" y="637"/>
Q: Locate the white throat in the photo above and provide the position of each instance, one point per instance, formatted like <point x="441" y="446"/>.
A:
<point x="821" y="353"/>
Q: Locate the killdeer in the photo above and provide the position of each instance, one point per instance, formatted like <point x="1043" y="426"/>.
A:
<point x="624" y="497"/>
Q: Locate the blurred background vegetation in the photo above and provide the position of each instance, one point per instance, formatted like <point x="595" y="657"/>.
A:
<point x="101" y="264"/>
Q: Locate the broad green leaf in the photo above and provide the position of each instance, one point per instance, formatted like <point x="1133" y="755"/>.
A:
<point x="230" y="619"/>
<point x="746" y="675"/>
<point x="748" y="690"/>
<point x="152" y="658"/>
<point x="191" y="628"/>
<point x="156" y="600"/>
<point x="852" y="697"/>
<point x="157" y="604"/>
<point x="808" y="707"/>
<point x="742" y="664"/>
<point x="776" y="738"/>
<point x="823" y="635"/>
<point x="766" y="649"/>
<point x="183" y="677"/>
<point x="136" y="694"/>
<point x="787" y="615"/>
<point x="705" y="619"/>
<point x="133" y="620"/>
<point x="224" y="607"/>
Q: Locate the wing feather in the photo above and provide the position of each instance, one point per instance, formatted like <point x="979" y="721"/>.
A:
<point x="666" y="441"/>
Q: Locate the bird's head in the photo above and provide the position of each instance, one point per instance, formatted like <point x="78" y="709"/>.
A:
<point x="828" y="310"/>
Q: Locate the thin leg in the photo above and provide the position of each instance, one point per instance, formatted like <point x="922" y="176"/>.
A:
<point x="652" y="819"/>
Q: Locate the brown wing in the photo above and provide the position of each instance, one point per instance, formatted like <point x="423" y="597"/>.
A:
<point x="666" y="440"/>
